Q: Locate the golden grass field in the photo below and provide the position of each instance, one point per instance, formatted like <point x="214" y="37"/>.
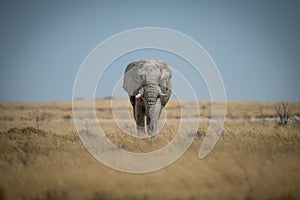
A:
<point x="42" y="157"/>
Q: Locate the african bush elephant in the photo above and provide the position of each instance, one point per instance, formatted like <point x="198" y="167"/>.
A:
<point x="148" y="84"/>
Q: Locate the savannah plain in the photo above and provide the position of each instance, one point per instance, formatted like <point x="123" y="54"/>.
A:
<point x="42" y="157"/>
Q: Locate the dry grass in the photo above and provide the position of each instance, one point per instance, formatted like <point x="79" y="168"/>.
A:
<point x="252" y="160"/>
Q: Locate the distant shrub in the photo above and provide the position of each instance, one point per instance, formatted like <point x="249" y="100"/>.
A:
<point x="283" y="110"/>
<point x="200" y="133"/>
<point x="67" y="117"/>
<point x="40" y="117"/>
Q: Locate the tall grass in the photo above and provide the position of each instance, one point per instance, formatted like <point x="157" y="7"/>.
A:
<point x="252" y="160"/>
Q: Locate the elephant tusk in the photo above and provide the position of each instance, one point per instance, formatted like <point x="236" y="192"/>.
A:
<point x="138" y="95"/>
<point x="160" y="93"/>
<point x="163" y="94"/>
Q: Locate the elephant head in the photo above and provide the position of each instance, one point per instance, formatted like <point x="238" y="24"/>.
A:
<point x="148" y="84"/>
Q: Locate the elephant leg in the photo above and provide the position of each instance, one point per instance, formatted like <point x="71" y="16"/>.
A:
<point x="139" y="116"/>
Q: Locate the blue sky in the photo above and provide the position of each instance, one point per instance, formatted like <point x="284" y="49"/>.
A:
<point x="255" y="44"/>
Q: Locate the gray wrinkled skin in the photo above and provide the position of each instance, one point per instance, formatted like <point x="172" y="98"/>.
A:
<point x="148" y="84"/>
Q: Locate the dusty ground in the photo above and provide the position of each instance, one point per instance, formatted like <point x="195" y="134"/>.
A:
<point x="41" y="156"/>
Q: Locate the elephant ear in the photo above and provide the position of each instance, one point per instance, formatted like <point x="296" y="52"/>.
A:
<point x="165" y="82"/>
<point x="132" y="81"/>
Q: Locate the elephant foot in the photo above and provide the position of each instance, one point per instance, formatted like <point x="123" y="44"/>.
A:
<point x="151" y="129"/>
<point x="141" y="131"/>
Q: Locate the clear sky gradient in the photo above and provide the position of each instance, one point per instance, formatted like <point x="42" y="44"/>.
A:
<point x="255" y="44"/>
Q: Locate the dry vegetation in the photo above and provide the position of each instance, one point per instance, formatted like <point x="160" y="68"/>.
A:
<point x="45" y="159"/>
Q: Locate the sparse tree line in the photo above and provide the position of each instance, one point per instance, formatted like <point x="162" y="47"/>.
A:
<point x="283" y="112"/>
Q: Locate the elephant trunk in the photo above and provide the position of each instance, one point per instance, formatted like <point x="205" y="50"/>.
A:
<point x="153" y="107"/>
<point x="152" y="113"/>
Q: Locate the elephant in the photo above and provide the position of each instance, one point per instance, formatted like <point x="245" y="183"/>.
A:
<point x="148" y="84"/>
